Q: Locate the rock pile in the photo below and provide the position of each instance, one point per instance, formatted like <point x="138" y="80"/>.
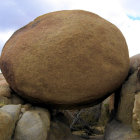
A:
<point x="64" y="60"/>
<point x="20" y="120"/>
<point x="126" y="125"/>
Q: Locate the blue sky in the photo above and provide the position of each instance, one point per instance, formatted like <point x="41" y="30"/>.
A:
<point x="134" y="17"/>
<point x="125" y="14"/>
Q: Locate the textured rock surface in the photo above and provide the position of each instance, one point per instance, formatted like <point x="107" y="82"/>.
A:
<point x="33" y="125"/>
<point x="6" y="126"/>
<point x="9" y="115"/>
<point x="128" y="92"/>
<point x="119" y="131"/>
<point x="106" y="109"/>
<point x="66" y="59"/>
<point x="134" y="63"/>
<point x="127" y="97"/>
<point x="136" y="113"/>
<point x="4" y="87"/>
<point x="13" y="110"/>
<point x="128" y="112"/>
<point x="6" y="94"/>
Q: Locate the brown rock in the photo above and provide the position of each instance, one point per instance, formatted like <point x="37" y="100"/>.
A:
<point x="4" y="87"/>
<point x="7" y="96"/>
<point x="4" y="101"/>
<point x="5" y="130"/>
<point x="66" y="59"/>
<point x="9" y="115"/>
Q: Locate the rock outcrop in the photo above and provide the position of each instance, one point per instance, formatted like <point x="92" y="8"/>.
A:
<point x="136" y="113"/>
<point x="126" y="124"/>
<point x="20" y="120"/>
<point x="128" y="92"/>
<point x="66" y="59"/>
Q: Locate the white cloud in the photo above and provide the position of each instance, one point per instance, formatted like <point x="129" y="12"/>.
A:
<point x="131" y="31"/>
<point x="132" y="7"/>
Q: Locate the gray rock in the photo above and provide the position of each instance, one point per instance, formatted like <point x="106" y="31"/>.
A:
<point x="136" y="113"/>
<point x="119" y="131"/>
<point x="129" y="90"/>
<point x="128" y="112"/>
<point x="13" y="110"/>
<point x="33" y="125"/>
<point x="134" y="63"/>
<point x="127" y="97"/>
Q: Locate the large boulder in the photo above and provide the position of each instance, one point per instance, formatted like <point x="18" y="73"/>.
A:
<point x="66" y="59"/>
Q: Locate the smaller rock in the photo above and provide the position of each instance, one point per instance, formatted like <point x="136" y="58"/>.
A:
<point x="25" y="107"/>
<point x="6" y="126"/>
<point x="127" y="97"/>
<point x="116" y="131"/>
<point x="34" y="125"/>
<point x="136" y="113"/>
<point x="134" y="63"/>
<point x="127" y="94"/>
<point x="105" y="111"/>
<point x="4" y="101"/>
<point x="6" y="123"/>
<point x="13" y="110"/>
<point x="4" y="87"/>
<point x="7" y="96"/>
<point x="9" y="115"/>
